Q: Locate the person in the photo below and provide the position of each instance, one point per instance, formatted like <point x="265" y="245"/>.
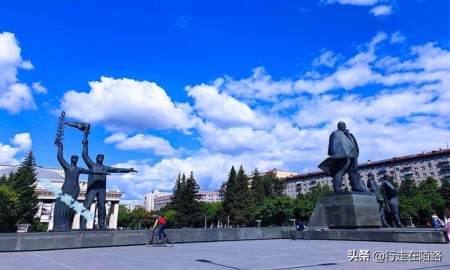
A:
<point x="390" y="195"/>
<point x="163" y="223"/>
<point x="372" y="186"/>
<point x="343" y="152"/>
<point x="96" y="186"/>
<point x="437" y="222"/>
<point x="64" y="214"/>
<point x="447" y="223"/>
<point x="300" y="226"/>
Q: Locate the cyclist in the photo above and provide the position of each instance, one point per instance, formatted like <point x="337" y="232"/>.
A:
<point x="162" y="222"/>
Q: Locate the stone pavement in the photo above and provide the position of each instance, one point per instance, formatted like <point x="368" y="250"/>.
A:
<point x="278" y="254"/>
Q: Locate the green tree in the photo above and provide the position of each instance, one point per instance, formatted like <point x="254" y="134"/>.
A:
<point x="185" y="202"/>
<point x="257" y="187"/>
<point x="229" y="190"/>
<point x="275" y="211"/>
<point x="242" y="204"/>
<point x="445" y="192"/>
<point x="9" y="200"/>
<point x="304" y="204"/>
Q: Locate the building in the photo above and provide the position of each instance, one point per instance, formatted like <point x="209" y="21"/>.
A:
<point x="149" y="199"/>
<point x="55" y="177"/>
<point x="205" y="196"/>
<point x="417" y="167"/>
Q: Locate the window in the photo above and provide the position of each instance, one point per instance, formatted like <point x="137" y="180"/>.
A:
<point x="430" y="167"/>
<point x="424" y="174"/>
<point x="423" y="168"/>
<point x="416" y="169"/>
<point x="432" y="173"/>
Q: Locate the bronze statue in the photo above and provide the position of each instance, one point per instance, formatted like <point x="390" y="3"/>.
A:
<point x="64" y="212"/>
<point x="96" y="188"/>
<point x="390" y="196"/>
<point x="343" y="152"/>
<point x="372" y="186"/>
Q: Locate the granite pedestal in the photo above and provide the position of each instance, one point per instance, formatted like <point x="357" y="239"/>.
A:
<point x="347" y="210"/>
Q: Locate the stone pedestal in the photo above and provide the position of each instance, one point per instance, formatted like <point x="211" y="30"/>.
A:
<point x="347" y="210"/>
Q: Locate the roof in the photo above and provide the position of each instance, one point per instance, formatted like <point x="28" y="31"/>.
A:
<point x="41" y="173"/>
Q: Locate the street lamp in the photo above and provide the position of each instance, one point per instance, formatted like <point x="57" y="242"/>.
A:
<point x="228" y="221"/>
<point x="205" y="221"/>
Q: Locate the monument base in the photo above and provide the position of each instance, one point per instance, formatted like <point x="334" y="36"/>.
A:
<point x="346" y="210"/>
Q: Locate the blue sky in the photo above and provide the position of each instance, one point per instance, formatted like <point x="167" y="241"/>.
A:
<point x="171" y="86"/>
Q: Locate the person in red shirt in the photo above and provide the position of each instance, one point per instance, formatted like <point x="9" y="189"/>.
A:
<point x="163" y="223"/>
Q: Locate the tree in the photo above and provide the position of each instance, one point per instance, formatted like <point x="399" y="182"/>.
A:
<point x="185" y="202"/>
<point x="242" y="204"/>
<point x="257" y="187"/>
<point x="304" y="204"/>
<point x="445" y="192"/>
<point x="20" y="201"/>
<point x="9" y="200"/>
<point x="275" y="211"/>
<point x="228" y="194"/>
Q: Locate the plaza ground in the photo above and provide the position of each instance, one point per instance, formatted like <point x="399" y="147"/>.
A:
<point x="278" y="254"/>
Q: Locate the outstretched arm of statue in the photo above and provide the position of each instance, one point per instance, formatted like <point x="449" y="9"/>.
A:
<point x="86" y="171"/>
<point x="85" y="127"/>
<point x="121" y="170"/>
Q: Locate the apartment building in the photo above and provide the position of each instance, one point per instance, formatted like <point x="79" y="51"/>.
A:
<point x="205" y="196"/>
<point x="416" y="167"/>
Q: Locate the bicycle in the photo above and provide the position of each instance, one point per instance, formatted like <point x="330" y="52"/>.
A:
<point x="154" y="239"/>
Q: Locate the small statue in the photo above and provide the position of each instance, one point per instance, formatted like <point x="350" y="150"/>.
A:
<point x="390" y="196"/>
<point x="373" y="187"/>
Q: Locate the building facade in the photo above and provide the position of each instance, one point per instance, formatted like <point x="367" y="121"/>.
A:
<point x="204" y="196"/>
<point x="47" y="199"/>
<point x="149" y="199"/>
<point x="417" y="167"/>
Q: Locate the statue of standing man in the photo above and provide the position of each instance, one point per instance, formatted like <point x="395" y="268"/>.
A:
<point x="96" y="188"/>
<point x="343" y="152"/>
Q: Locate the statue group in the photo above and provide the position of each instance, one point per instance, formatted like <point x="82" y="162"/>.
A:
<point x="96" y="187"/>
<point x="343" y="153"/>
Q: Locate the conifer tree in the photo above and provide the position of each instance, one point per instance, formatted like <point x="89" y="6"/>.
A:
<point x="24" y="183"/>
<point x="445" y="192"/>
<point x="230" y="187"/>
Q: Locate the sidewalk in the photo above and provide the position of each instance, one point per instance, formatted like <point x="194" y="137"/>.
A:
<point x="279" y="254"/>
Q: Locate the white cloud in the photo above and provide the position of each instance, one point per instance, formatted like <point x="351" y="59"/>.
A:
<point x="353" y="2"/>
<point x="397" y="37"/>
<point x="14" y="96"/>
<point x="124" y="105"/>
<point x="21" y="143"/>
<point x="221" y="108"/>
<point x="142" y="142"/>
<point x="382" y="10"/>
<point x="327" y="58"/>
<point x="38" y="88"/>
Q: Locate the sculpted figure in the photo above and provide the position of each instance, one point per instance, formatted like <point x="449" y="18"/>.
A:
<point x="390" y="195"/>
<point x="372" y="186"/>
<point x="96" y="188"/>
<point x="63" y="215"/>
<point x="343" y="152"/>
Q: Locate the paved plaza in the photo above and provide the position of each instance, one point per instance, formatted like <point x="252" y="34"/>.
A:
<point x="279" y="254"/>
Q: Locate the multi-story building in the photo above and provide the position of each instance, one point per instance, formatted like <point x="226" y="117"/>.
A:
<point x="55" y="177"/>
<point x="416" y="167"/>
<point x="149" y="199"/>
<point x="204" y="196"/>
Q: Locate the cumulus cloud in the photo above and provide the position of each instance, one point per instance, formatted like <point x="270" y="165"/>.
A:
<point x="353" y="2"/>
<point x="14" y="96"/>
<point x="123" y="105"/>
<point x="391" y="102"/>
<point x="141" y="142"/>
<point x="382" y="10"/>
<point x="21" y="143"/>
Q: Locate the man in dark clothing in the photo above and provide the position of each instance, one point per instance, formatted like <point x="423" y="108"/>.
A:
<point x="373" y="187"/>
<point x="343" y="152"/>
<point x="390" y="195"/>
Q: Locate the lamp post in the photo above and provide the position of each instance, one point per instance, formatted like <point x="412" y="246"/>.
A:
<point x="228" y="221"/>
<point x="205" y="221"/>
